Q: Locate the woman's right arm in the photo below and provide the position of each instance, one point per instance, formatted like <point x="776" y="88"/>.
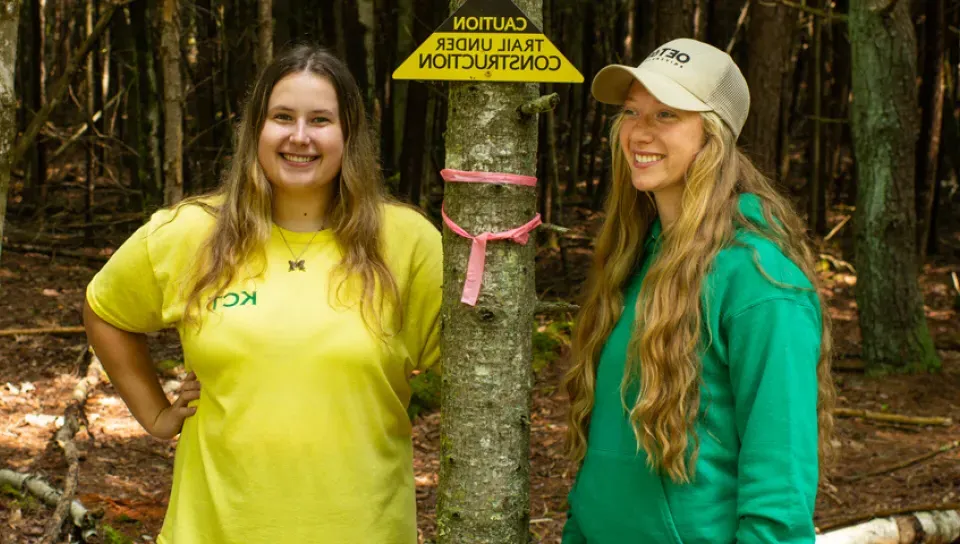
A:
<point x="126" y="359"/>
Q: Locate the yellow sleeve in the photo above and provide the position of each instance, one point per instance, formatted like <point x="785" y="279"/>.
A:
<point x="138" y="290"/>
<point x="423" y="291"/>
<point x="125" y="292"/>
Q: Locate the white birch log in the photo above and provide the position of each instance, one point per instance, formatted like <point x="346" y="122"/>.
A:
<point x="938" y="527"/>
<point x="79" y="515"/>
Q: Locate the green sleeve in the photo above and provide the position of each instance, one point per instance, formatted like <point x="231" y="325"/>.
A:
<point x="571" y="531"/>
<point x="773" y="348"/>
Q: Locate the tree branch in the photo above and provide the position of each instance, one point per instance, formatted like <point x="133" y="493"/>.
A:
<point x="45" y="330"/>
<point x="807" y="9"/>
<point x="544" y="307"/>
<point x="892" y="418"/>
<point x="908" y="463"/>
<point x="73" y="417"/>
<point x="740" y="20"/>
<point x="540" y="105"/>
<point x="884" y="10"/>
<point x="76" y="60"/>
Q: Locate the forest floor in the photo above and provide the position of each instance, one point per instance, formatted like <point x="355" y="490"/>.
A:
<point x="126" y="474"/>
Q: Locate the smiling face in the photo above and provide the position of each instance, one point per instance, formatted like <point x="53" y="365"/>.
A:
<point x="301" y="143"/>
<point x="659" y="143"/>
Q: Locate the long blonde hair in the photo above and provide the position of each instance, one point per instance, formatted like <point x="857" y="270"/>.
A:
<point x="243" y="203"/>
<point x="664" y="352"/>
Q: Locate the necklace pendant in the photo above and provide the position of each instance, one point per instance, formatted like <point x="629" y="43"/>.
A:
<point x="297" y="265"/>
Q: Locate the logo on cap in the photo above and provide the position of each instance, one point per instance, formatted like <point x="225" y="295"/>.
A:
<point x="669" y="55"/>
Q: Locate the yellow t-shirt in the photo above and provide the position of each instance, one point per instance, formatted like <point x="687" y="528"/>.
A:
<point x="301" y="433"/>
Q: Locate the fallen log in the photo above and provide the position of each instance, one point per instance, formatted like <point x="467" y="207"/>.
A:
<point x="909" y="462"/>
<point x="55" y="252"/>
<point x="82" y="519"/>
<point x="42" y="330"/>
<point x="941" y="526"/>
<point x="73" y="417"/>
<point x="892" y="418"/>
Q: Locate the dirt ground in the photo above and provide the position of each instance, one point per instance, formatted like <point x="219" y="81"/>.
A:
<point x="126" y="474"/>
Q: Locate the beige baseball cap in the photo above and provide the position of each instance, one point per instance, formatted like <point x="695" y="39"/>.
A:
<point x="684" y="74"/>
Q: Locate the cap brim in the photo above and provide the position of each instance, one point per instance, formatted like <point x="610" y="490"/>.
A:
<point x="611" y="84"/>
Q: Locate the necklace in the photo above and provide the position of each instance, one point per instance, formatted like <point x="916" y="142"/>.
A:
<point x="297" y="263"/>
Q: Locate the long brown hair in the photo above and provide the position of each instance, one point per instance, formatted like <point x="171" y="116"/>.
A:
<point x="664" y="352"/>
<point x="242" y="205"/>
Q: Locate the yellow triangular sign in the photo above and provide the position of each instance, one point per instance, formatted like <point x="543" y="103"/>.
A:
<point x="489" y="40"/>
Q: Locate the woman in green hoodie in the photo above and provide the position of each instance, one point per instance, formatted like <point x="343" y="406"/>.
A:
<point x="700" y="387"/>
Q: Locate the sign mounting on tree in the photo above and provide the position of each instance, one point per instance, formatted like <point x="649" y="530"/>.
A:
<point x="489" y="40"/>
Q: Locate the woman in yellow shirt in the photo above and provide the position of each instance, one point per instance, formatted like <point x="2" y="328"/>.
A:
<point x="304" y="299"/>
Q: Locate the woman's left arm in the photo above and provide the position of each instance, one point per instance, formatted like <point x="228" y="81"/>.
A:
<point x="773" y="349"/>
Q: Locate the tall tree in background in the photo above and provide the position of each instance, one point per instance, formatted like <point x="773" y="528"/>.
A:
<point x="264" y="33"/>
<point x="487" y="379"/>
<point x="931" y="123"/>
<point x="769" y="38"/>
<point x="675" y="19"/>
<point x="172" y="101"/>
<point x="9" y="25"/>
<point x="884" y="117"/>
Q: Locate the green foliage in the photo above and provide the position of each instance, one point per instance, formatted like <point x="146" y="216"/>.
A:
<point x="112" y="536"/>
<point x="549" y="341"/>
<point x="7" y="489"/>
<point x="25" y="501"/>
<point x="426" y="394"/>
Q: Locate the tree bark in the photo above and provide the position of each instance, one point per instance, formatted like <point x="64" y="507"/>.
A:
<point x="917" y="527"/>
<point x="385" y="48"/>
<point x="487" y="376"/>
<point x="264" y="33"/>
<point x="94" y="99"/>
<point x="149" y="147"/>
<point x="931" y="96"/>
<point x="769" y="38"/>
<point x="38" y="155"/>
<point x="172" y="102"/>
<point x="414" y="132"/>
<point x="892" y="321"/>
<point x="575" y="22"/>
<point x="675" y="19"/>
<point x="817" y="214"/>
<point x="9" y="26"/>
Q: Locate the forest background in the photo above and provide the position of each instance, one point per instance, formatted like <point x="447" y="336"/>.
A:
<point x="119" y="109"/>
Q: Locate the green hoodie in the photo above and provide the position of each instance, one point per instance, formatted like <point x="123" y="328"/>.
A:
<point x="756" y="474"/>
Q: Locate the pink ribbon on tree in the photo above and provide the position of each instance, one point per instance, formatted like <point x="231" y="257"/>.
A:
<point x="478" y="248"/>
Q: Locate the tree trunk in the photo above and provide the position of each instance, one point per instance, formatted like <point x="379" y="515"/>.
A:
<point x="37" y="158"/>
<point x="172" y="102"/>
<point x="264" y="33"/>
<point x="769" y="38"/>
<point x="149" y="140"/>
<point x="415" y="137"/>
<point x="722" y="26"/>
<point x="892" y="321"/>
<point x="576" y="22"/>
<point x="645" y="37"/>
<point x="931" y="96"/>
<point x="212" y="128"/>
<point x="675" y="19"/>
<point x="817" y="214"/>
<point x="94" y="99"/>
<point x="487" y="376"/>
<point x="385" y="48"/>
<point x="9" y="25"/>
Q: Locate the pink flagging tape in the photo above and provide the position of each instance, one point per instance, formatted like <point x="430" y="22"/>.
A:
<point x="478" y="252"/>
<point x="487" y="177"/>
